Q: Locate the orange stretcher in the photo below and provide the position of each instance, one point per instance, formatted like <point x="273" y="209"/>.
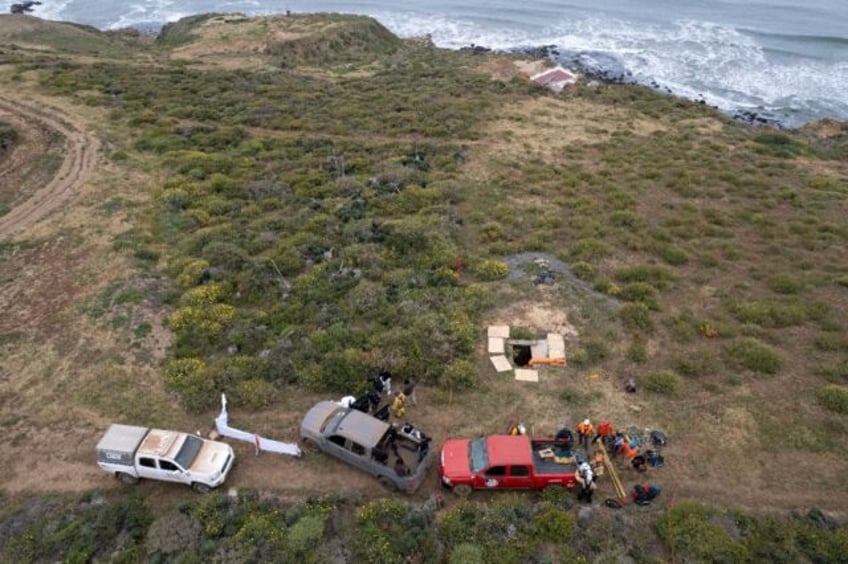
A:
<point x="556" y="361"/>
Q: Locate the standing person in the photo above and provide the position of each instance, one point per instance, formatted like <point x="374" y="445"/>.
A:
<point x="409" y="391"/>
<point x="383" y="382"/>
<point x="584" y="433"/>
<point x="605" y="433"/>
<point x="398" y="404"/>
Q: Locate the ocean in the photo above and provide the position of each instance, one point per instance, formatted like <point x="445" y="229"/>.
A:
<point x="785" y="60"/>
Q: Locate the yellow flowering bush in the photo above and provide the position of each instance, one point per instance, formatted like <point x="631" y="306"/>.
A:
<point x="203" y="295"/>
<point x="190" y="273"/>
<point x="204" y="320"/>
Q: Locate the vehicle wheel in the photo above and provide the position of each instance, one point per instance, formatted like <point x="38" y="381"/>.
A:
<point x="125" y="478"/>
<point x="462" y="490"/>
<point x="201" y="488"/>
<point x="310" y="446"/>
<point x="388" y="484"/>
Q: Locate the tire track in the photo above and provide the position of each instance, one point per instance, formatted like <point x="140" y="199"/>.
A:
<point x="81" y="155"/>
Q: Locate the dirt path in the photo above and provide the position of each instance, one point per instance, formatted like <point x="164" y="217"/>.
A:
<point x="81" y="154"/>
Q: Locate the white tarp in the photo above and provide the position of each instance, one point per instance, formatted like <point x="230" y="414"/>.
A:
<point x="261" y="443"/>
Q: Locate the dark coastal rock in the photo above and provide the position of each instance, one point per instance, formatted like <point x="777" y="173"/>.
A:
<point x="757" y="118"/>
<point x="475" y="49"/>
<point x="542" y="52"/>
<point x="24" y="7"/>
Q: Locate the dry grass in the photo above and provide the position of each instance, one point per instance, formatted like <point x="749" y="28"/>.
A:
<point x="66" y="375"/>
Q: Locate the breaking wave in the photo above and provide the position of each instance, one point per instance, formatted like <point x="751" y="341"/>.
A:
<point x="798" y="77"/>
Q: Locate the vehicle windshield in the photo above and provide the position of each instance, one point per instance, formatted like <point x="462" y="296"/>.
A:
<point x="188" y="452"/>
<point x="479" y="456"/>
<point x="332" y="420"/>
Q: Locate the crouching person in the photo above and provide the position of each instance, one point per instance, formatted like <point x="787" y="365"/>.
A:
<point x="586" y="480"/>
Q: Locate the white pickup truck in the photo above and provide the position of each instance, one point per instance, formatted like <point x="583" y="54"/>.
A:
<point x="131" y="452"/>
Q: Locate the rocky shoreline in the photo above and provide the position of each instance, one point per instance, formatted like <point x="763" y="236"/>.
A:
<point x="603" y="68"/>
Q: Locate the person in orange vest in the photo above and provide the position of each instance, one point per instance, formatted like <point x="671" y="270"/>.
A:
<point x="584" y="433"/>
<point x="629" y="450"/>
<point x="605" y="433"/>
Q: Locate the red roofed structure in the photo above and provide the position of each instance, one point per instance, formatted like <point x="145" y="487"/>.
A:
<point x="556" y="78"/>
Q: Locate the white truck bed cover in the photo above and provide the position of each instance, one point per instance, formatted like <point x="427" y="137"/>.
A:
<point x="122" y="438"/>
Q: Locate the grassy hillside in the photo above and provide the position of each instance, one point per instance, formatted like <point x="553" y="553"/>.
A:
<point x="59" y="38"/>
<point x="294" y="202"/>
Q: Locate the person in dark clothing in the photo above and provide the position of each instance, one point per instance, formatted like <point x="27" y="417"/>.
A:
<point x="401" y="469"/>
<point x="380" y="455"/>
<point x="391" y="439"/>
<point x="409" y="391"/>
<point x="383" y="382"/>
<point x="373" y="399"/>
<point x="361" y="404"/>
<point x="565" y="438"/>
<point x="423" y="447"/>
<point x="644" y="494"/>
<point x="383" y="413"/>
<point x="639" y="463"/>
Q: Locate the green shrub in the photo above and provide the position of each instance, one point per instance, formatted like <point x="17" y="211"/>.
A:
<point x="831" y="341"/>
<point x="663" y="382"/>
<point x="637" y="351"/>
<point x="835" y="373"/>
<point x="306" y="534"/>
<point x="344" y="369"/>
<point x="261" y="536"/>
<point x="588" y="249"/>
<point x="688" y="531"/>
<point x="641" y="292"/>
<point x="254" y="393"/>
<point x="578" y="357"/>
<point x="754" y="355"/>
<point x="834" y="397"/>
<point x="699" y="362"/>
<point x="466" y="553"/>
<point x="387" y="530"/>
<point x="492" y="231"/>
<point x="785" y="284"/>
<point x="671" y="254"/>
<point x="596" y="350"/>
<point x="682" y="327"/>
<point x="779" y="145"/>
<point x="459" y="375"/>
<point x="554" y="525"/>
<point x="657" y="276"/>
<point x="179" y="372"/>
<point x="583" y="270"/>
<point x="769" y="314"/>
<point x="458" y="524"/>
<point x="520" y="333"/>
<point x="636" y="316"/>
<point x="462" y="330"/>
<point x="490" y="269"/>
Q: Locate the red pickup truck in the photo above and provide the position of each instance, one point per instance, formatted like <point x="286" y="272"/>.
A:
<point x="502" y="462"/>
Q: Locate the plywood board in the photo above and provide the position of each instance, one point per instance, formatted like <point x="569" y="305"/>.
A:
<point x="501" y="331"/>
<point x="496" y="345"/>
<point x="501" y="363"/>
<point x="526" y="375"/>
<point x="556" y="345"/>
